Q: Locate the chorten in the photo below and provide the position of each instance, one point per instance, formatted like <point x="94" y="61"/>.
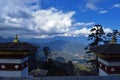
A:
<point x="14" y="58"/>
<point x="108" y="58"/>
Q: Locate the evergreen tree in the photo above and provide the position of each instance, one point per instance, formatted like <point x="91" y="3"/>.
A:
<point x="46" y="51"/>
<point x="114" y="36"/>
<point x="97" y="38"/>
<point x="97" y="35"/>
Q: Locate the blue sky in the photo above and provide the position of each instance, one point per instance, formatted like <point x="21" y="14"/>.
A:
<point x="51" y="18"/>
<point x="105" y="12"/>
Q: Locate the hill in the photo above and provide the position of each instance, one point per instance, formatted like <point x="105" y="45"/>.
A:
<point x="68" y="48"/>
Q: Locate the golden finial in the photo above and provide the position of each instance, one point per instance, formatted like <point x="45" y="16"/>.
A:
<point x="16" y="40"/>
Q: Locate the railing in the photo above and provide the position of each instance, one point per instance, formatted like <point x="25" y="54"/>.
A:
<point x="65" y="78"/>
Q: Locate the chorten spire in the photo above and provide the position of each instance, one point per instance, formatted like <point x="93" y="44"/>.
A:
<point x="16" y="40"/>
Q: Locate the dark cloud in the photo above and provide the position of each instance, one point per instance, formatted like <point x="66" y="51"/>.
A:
<point x="2" y="19"/>
<point x="7" y="27"/>
<point x="20" y="14"/>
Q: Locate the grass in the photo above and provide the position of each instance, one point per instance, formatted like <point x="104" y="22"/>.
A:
<point x="81" y="69"/>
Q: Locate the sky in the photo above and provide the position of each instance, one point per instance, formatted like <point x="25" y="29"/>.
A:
<point x="51" y="18"/>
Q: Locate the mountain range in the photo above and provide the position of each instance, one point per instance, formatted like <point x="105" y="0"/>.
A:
<point x="70" y="48"/>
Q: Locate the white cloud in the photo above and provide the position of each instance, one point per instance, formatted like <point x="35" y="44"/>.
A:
<point x="83" y="31"/>
<point x="103" y="11"/>
<point x="91" y="6"/>
<point x="33" y="21"/>
<point x="116" y="5"/>
<point x="83" y="24"/>
<point x="107" y="30"/>
<point x="22" y="18"/>
<point x="52" y="20"/>
<point x="95" y="5"/>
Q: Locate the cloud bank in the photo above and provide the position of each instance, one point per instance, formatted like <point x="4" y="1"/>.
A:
<point x="28" y="20"/>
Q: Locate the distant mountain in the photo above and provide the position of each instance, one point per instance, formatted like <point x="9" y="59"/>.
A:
<point x="66" y="46"/>
<point x="66" y="49"/>
<point x="81" y="39"/>
<point x="54" y="45"/>
<point x="70" y="45"/>
<point x="74" y="47"/>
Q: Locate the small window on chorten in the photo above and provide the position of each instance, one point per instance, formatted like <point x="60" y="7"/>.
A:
<point x="3" y="66"/>
<point x="112" y="69"/>
<point x="100" y="65"/>
<point x="105" y="68"/>
<point x="16" y="66"/>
